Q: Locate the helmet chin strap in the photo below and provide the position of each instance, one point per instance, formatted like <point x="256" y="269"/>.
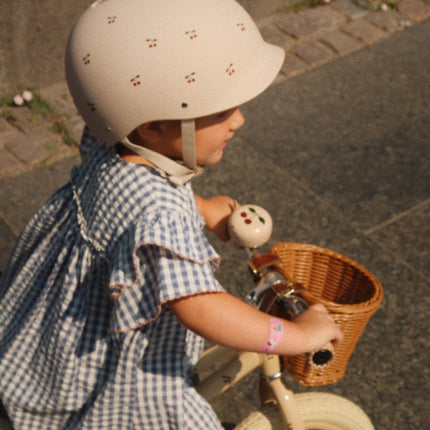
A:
<point x="188" y="129"/>
<point x="178" y="172"/>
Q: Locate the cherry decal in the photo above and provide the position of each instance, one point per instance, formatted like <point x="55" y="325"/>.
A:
<point x="248" y="218"/>
<point x="250" y="226"/>
<point x="190" y="78"/>
<point x="152" y="43"/>
<point x="135" y="81"/>
<point x="230" y="69"/>
<point x="192" y="34"/>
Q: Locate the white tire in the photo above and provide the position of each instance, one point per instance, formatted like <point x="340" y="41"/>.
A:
<point x="319" y="411"/>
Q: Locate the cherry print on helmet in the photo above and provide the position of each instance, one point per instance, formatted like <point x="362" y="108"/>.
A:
<point x="152" y="43"/>
<point x="190" y="78"/>
<point x="230" y="70"/>
<point x="135" y="80"/>
<point x="192" y="34"/>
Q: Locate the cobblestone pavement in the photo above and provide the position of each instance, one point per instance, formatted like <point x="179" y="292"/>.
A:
<point x="389" y="386"/>
<point x="310" y="38"/>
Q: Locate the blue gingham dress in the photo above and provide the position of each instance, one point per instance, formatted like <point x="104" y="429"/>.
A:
<point x="87" y="340"/>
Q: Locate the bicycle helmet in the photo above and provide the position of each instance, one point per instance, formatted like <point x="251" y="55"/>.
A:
<point x="134" y="61"/>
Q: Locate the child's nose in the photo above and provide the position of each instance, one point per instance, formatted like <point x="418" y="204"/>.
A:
<point x="237" y="119"/>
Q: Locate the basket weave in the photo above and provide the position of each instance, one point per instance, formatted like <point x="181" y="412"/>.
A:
<point x="349" y="292"/>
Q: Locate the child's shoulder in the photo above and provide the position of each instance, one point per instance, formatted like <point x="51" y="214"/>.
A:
<point x="114" y="195"/>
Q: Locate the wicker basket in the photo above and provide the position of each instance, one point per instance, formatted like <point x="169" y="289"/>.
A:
<point x="349" y="292"/>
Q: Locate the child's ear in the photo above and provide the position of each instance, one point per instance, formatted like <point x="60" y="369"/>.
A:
<point x="156" y="130"/>
<point x="149" y="131"/>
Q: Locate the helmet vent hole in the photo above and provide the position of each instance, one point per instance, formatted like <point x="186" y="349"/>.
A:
<point x="184" y="105"/>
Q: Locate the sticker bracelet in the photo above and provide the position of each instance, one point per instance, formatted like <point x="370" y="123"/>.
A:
<point x="274" y="338"/>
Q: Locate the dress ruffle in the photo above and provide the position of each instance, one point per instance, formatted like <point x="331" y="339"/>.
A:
<point x="145" y="260"/>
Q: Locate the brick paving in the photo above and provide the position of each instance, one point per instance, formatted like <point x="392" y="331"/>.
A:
<point x="310" y="37"/>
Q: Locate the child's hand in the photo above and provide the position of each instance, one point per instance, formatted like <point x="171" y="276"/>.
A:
<point x="319" y="327"/>
<point x="216" y="212"/>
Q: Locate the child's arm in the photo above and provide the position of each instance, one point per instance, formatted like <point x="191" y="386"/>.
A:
<point x="216" y="212"/>
<point x="228" y="321"/>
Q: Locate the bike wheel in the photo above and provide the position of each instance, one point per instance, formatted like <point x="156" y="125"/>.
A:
<point x="319" y="411"/>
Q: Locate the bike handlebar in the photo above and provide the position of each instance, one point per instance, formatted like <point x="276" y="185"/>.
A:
<point x="250" y="227"/>
<point x="281" y="299"/>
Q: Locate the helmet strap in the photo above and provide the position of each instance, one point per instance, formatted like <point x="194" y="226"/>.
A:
<point x="178" y="172"/>
<point x="188" y="128"/>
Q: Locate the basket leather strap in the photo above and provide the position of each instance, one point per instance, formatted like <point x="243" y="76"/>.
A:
<point x="262" y="261"/>
<point x="272" y="295"/>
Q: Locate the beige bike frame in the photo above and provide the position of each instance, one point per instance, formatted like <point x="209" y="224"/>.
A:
<point x="239" y="365"/>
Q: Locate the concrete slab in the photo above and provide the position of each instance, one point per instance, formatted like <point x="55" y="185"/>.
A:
<point x="382" y="372"/>
<point x="417" y="10"/>
<point x="351" y="9"/>
<point x="349" y="135"/>
<point x="21" y="196"/>
<point x="364" y="31"/>
<point x="408" y="237"/>
<point x="314" y="53"/>
<point x="341" y="42"/>
<point x="389" y="20"/>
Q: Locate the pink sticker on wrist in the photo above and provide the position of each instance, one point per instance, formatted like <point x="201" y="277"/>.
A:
<point x="274" y="338"/>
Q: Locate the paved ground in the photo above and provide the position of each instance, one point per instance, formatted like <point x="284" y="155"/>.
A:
<point x="345" y="165"/>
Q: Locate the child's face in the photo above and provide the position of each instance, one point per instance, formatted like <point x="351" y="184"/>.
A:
<point x="211" y="136"/>
<point x="213" y="133"/>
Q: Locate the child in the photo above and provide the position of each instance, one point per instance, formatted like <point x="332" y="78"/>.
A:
<point x="110" y="288"/>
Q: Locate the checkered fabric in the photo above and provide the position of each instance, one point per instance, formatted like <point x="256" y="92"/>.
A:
<point x="87" y="340"/>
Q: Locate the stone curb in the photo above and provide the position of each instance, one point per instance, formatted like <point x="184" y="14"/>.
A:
<point x="310" y="37"/>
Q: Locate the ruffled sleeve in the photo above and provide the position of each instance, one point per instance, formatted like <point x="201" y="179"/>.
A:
<point x="164" y="257"/>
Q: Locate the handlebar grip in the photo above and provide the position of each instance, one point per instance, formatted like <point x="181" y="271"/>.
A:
<point x="279" y="300"/>
<point x="322" y="357"/>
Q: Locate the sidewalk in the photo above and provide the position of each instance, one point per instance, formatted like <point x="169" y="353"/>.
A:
<point x="310" y="38"/>
<point x="339" y="185"/>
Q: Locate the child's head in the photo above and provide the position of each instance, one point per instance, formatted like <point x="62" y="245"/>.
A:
<point x="131" y="62"/>
<point x="212" y="133"/>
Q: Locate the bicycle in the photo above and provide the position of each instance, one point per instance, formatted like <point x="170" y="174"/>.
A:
<point x="281" y="293"/>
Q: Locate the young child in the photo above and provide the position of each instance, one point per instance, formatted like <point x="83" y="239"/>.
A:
<point x="110" y="289"/>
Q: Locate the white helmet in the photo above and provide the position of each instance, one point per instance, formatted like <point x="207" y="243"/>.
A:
<point x="133" y="61"/>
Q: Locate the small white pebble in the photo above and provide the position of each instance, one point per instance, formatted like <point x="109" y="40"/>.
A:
<point x="18" y="100"/>
<point x="27" y="96"/>
<point x="384" y="7"/>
